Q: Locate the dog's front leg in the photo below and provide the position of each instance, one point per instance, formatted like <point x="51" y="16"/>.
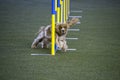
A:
<point x="58" y="42"/>
<point x="65" y="46"/>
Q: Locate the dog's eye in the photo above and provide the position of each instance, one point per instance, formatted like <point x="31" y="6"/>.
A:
<point x="60" y="27"/>
<point x="65" y="26"/>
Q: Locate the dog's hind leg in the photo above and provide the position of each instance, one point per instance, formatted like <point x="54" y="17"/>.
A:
<point x="37" y="40"/>
<point x="35" y="43"/>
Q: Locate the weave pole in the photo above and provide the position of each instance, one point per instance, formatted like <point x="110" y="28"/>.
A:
<point x="53" y="12"/>
<point x="64" y="8"/>
<point x="60" y="9"/>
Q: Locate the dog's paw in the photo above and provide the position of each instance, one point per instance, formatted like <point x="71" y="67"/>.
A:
<point x="64" y="48"/>
<point x="44" y="45"/>
<point x="33" y="46"/>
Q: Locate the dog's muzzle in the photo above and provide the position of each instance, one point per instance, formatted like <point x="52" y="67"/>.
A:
<point x="63" y="31"/>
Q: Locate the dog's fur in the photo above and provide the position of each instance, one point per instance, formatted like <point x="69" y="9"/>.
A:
<point x="44" y="35"/>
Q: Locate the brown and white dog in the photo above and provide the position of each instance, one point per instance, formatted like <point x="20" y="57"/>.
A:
<point x="44" y="35"/>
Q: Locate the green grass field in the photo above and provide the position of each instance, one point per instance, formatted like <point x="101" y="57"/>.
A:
<point x="98" y="48"/>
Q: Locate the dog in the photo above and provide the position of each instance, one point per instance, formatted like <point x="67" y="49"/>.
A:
<point x="61" y="30"/>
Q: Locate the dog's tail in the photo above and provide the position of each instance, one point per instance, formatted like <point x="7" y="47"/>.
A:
<point x="73" y="21"/>
<point x="41" y="29"/>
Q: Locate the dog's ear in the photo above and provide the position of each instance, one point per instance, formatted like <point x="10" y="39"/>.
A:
<point x="57" y="26"/>
<point x="73" y="21"/>
<point x="67" y="25"/>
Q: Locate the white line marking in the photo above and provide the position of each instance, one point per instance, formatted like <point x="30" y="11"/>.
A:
<point x="71" y="49"/>
<point x="35" y="54"/>
<point x="78" y="23"/>
<point x="76" y="16"/>
<point x="73" y="29"/>
<point x="72" y="38"/>
<point x="77" y="11"/>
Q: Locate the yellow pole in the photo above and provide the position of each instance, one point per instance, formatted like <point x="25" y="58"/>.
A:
<point x="64" y="12"/>
<point x="55" y="5"/>
<point x="53" y="35"/>
<point x="58" y="11"/>
<point x="58" y="14"/>
<point x="68" y="7"/>
<point x="53" y="28"/>
<point x="67" y="10"/>
<point x="61" y="12"/>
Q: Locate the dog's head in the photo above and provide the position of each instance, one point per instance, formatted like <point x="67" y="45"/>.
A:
<point x="61" y="29"/>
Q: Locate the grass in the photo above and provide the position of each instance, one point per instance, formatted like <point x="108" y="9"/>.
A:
<point x="98" y="47"/>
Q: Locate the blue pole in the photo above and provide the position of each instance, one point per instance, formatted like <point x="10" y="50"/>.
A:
<point x="58" y="3"/>
<point x="53" y="7"/>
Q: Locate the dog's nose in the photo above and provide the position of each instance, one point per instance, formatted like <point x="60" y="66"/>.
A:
<point x="62" y="30"/>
